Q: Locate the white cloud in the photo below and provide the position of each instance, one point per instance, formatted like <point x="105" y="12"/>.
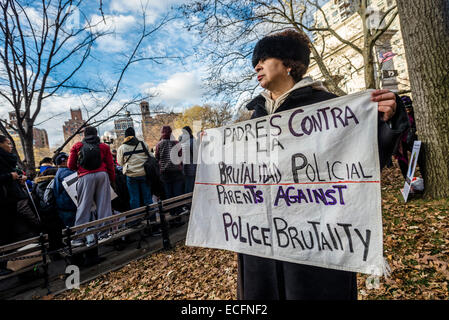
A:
<point x="112" y="43"/>
<point x="118" y="23"/>
<point x="56" y="110"/>
<point x="137" y="5"/>
<point x="182" y="88"/>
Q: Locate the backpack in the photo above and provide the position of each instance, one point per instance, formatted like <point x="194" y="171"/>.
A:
<point x="90" y="156"/>
<point x="121" y="203"/>
<point x="152" y="173"/>
<point x="49" y="201"/>
<point x="44" y="198"/>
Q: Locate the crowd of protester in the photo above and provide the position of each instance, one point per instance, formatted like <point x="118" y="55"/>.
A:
<point x="136" y="175"/>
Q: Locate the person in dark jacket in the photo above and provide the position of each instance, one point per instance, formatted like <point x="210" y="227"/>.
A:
<point x="9" y="195"/>
<point x="281" y="61"/>
<point x="189" y="152"/>
<point x="64" y="204"/>
<point x="51" y="223"/>
<point x="170" y="173"/>
<point x="405" y="143"/>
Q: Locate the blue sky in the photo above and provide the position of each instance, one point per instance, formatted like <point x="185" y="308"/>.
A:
<point x="177" y="81"/>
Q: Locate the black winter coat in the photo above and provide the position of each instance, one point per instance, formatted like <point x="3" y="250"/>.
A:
<point x="15" y="224"/>
<point x="268" y="279"/>
<point x="8" y="212"/>
<point x="51" y="222"/>
<point x="10" y="190"/>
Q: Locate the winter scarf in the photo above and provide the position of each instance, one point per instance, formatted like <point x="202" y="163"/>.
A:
<point x="271" y="105"/>
<point x="131" y="140"/>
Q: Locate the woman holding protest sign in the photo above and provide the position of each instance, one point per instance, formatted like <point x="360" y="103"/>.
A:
<point x="281" y="61"/>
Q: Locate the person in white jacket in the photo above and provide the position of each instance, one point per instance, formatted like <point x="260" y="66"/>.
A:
<point x="131" y="156"/>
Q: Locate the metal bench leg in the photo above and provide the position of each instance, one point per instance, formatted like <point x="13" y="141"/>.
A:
<point x="164" y="225"/>
<point x="44" y="260"/>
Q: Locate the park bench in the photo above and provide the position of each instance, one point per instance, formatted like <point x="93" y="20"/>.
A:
<point x="34" y="253"/>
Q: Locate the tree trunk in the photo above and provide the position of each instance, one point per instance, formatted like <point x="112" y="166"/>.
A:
<point x="28" y="151"/>
<point x="425" y="30"/>
<point x="367" y="52"/>
<point x="370" y="81"/>
<point x="332" y="86"/>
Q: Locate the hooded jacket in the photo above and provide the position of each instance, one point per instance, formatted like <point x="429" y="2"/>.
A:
<point x="131" y="156"/>
<point x="264" y="278"/>
<point x="62" y="198"/>
<point x="107" y="163"/>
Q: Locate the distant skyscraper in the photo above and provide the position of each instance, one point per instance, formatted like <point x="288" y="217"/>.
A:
<point x="70" y="126"/>
<point x="146" y="120"/>
<point x="151" y="126"/>
<point x="40" y="137"/>
<point x="121" y="124"/>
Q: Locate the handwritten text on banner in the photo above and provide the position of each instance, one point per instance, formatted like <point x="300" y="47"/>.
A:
<point x="301" y="186"/>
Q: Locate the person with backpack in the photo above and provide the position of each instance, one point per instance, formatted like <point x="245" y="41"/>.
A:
<point x="131" y="156"/>
<point x="171" y="173"/>
<point x="44" y="201"/>
<point x="65" y="206"/>
<point x="93" y="162"/>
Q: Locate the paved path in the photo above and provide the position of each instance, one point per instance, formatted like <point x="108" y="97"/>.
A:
<point x="21" y="287"/>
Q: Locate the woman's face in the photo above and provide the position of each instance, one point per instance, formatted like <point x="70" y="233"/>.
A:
<point x="271" y="73"/>
<point x="6" y="145"/>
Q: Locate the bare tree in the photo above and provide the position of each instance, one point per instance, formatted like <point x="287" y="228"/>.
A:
<point x="218" y="115"/>
<point x="373" y="26"/>
<point x="43" y="51"/>
<point x="234" y="26"/>
<point x="426" y="40"/>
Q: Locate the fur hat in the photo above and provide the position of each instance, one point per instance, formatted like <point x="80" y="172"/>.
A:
<point x="285" y="45"/>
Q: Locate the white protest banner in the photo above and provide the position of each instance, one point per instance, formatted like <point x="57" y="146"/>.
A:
<point x="301" y="186"/>
<point x="70" y="182"/>
<point x="411" y="169"/>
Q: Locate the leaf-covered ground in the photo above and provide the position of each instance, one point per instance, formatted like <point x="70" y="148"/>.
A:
<point x="415" y="245"/>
